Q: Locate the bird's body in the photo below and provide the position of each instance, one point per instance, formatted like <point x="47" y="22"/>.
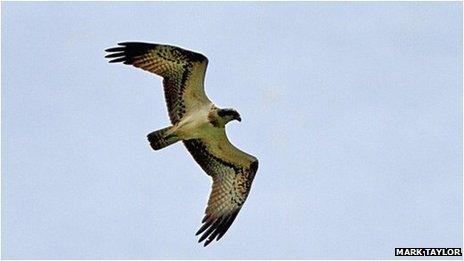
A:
<point x="200" y="125"/>
<point x="195" y="125"/>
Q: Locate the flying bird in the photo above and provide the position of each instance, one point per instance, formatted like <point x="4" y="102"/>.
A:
<point x="200" y="125"/>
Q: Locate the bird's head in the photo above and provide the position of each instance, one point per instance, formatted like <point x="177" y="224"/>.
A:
<point x="229" y="115"/>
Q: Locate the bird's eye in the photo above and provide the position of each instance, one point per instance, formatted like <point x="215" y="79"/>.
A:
<point x="223" y="113"/>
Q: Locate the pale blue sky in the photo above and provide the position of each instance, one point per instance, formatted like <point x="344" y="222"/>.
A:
<point x="353" y="109"/>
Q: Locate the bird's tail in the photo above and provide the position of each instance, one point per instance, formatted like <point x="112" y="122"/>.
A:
<point x="162" y="138"/>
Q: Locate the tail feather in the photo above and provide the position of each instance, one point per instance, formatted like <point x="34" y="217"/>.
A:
<point x="159" y="139"/>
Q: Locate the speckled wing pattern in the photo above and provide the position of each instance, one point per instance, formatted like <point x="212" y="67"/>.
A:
<point x="232" y="180"/>
<point x="183" y="72"/>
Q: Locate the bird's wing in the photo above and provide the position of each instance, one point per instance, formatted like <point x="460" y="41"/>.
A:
<point x="183" y="73"/>
<point x="232" y="171"/>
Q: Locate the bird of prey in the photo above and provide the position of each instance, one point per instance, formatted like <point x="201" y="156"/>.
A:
<point x="200" y="125"/>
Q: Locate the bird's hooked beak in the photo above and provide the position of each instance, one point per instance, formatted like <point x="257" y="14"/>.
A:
<point x="229" y="115"/>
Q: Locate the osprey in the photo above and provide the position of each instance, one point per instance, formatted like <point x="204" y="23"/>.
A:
<point x="200" y="125"/>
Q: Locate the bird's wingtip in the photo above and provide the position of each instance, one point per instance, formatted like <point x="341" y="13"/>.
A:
<point x="207" y="242"/>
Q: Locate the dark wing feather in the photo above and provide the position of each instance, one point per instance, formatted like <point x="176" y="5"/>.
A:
<point x="231" y="185"/>
<point x="183" y="72"/>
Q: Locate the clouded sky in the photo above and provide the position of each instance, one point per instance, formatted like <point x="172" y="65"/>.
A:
<point x="353" y="109"/>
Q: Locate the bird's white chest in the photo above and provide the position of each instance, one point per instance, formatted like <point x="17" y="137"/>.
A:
<point x="195" y="125"/>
